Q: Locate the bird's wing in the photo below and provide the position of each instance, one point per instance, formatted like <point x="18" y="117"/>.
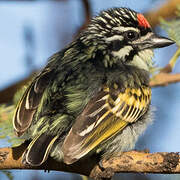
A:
<point x="29" y="102"/>
<point x="106" y="114"/>
<point x="32" y="97"/>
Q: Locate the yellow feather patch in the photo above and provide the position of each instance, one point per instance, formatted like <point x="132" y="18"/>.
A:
<point x="126" y="108"/>
<point x="138" y="98"/>
<point x="99" y="137"/>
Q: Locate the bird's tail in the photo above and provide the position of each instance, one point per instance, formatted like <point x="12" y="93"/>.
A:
<point x="39" y="149"/>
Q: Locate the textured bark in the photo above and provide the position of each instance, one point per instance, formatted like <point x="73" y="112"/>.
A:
<point x="163" y="79"/>
<point x="133" y="161"/>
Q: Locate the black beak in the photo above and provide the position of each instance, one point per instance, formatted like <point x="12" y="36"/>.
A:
<point x="155" y="41"/>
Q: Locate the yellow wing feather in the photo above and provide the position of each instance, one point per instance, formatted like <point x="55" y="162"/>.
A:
<point x="117" y="121"/>
<point x="117" y="109"/>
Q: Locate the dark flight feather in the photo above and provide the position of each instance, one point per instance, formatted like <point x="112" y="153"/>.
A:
<point x="28" y="104"/>
<point x="39" y="149"/>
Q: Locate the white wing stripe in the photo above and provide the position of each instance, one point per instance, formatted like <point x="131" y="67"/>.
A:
<point x="97" y="111"/>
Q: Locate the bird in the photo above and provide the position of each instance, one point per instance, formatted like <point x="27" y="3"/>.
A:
<point x="93" y="96"/>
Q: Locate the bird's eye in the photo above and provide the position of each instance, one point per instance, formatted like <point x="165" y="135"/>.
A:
<point x="131" y="35"/>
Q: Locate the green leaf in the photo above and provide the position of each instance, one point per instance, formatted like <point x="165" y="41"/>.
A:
<point x="6" y="126"/>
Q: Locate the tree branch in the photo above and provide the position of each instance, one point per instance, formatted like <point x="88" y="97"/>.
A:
<point x="87" y="11"/>
<point x="168" y="10"/>
<point x="164" y="79"/>
<point x="133" y="161"/>
<point x="8" y="93"/>
<point x="11" y="158"/>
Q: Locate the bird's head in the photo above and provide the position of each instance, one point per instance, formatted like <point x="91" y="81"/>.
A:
<point x="121" y="35"/>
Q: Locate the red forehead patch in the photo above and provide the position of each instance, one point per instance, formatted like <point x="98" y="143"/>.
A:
<point x="142" y="21"/>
